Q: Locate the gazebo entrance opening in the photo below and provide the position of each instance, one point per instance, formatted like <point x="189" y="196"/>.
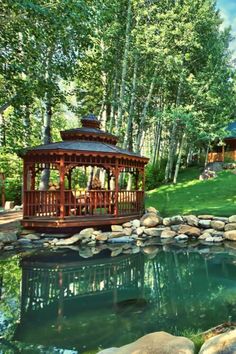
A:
<point x="90" y="179"/>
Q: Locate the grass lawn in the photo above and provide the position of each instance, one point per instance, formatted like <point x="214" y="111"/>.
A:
<point x="216" y="196"/>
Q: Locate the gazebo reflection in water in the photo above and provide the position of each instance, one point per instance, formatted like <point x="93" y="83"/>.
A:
<point x="58" y="295"/>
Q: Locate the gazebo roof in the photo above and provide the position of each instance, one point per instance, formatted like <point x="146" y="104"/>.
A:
<point x="85" y="146"/>
<point x="89" y="138"/>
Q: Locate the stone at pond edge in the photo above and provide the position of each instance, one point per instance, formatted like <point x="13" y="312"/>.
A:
<point x="121" y="239"/>
<point x="150" y="220"/>
<point x="86" y="232"/>
<point x="155" y="343"/>
<point x="217" y="225"/>
<point x="31" y="237"/>
<point x="6" y="237"/>
<point x="224" y="343"/>
<point x="136" y="223"/>
<point x="70" y="240"/>
<point x="205" y="224"/>
<point x="230" y="226"/>
<point x="191" y="220"/>
<point x="230" y="235"/>
<point x="232" y="218"/>
<point x="189" y="230"/>
<point x="168" y="234"/>
<point x="116" y="228"/>
<point x="173" y="220"/>
<point x="152" y="210"/>
<point x="154" y="231"/>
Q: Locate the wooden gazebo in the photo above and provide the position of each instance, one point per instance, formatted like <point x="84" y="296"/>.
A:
<point x="65" y="205"/>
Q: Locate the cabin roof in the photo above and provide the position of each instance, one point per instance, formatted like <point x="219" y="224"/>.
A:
<point x="231" y="129"/>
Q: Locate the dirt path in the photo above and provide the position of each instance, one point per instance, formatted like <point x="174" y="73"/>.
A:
<point x="10" y="220"/>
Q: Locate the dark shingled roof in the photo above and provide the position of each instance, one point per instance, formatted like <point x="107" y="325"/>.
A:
<point x="89" y="130"/>
<point x="231" y="129"/>
<point x="83" y="145"/>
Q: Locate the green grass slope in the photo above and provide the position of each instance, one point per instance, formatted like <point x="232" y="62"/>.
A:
<point x="216" y="196"/>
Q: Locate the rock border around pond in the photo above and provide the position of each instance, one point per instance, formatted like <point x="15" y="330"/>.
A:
<point x="150" y="228"/>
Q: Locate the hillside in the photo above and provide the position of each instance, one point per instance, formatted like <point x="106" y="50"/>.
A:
<point x="216" y="196"/>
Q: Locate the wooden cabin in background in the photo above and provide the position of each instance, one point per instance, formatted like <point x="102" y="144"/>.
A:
<point x="225" y="152"/>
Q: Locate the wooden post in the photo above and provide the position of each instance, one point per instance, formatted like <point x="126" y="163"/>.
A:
<point x="116" y="209"/>
<point x="62" y="188"/>
<point x="25" y="173"/>
<point x="223" y="153"/>
<point x="69" y="179"/>
<point x="32" y="182"/>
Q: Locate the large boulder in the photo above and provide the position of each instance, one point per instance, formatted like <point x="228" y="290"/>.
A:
<point x="224" y="343"/>
<point x="168" y="234"/>
<point x="189" y="230"/>
<point x="230" y="235"/>
<point x="86" y="233"/>
<point x="155" y="343"/>
<point x="150" y="220"/>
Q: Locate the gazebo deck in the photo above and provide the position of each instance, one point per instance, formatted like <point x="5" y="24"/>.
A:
<point x="76" y="221"/>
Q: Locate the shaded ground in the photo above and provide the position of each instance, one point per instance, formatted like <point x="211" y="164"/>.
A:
<point x="10" y="220"/>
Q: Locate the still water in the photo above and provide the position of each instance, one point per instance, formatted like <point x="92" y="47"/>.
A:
<point x="59" y="302"/>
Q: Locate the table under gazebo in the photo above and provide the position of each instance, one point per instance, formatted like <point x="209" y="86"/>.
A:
<point x="64" y="205"/>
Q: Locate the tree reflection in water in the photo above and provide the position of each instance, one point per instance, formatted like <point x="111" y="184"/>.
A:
<point x="77" y="303"/>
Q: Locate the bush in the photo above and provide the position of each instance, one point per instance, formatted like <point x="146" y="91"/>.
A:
<point x="155" y="175"/>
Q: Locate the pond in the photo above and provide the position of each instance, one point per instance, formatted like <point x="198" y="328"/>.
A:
<point x="60" y="302"/>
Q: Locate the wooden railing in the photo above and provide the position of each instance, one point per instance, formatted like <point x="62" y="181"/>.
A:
<point x="220" y="157"/>
<point x="78" y="203"/>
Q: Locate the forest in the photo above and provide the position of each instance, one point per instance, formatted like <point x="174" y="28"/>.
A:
<point x="157" y="73"/>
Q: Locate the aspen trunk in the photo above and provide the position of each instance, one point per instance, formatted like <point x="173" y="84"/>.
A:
<point x="2" y="130"/>
<point x="140" y="136"/>
<point x="46" y="137"/>
<point x="121" y="102"/>
<point x="128" y="136"/>
<point x="181" y="147"/>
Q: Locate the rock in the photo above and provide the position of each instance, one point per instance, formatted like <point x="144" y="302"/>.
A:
<point x="190" y="230"/>
<point x="217" y="224"/>
<point x="181" y="237"/>
<point x="116" y="228"/>
<point x="209" y="239"/>
<point x="230" y="235"/>
<point x="86" y="252"/>
<point x="230" y="226"/>
<point x="174" y="220"/>
<point x="134" y="236"/>
<point x="101" y="237"/>
<point x="224" y="343"/>
<point x="127" y="224"/>
<point x="97" y="232"/>
<point x="45" y="235"/>
<point x="120" y="239"/>
<point x="154" y="231"/>
<point x="32" y="237"/>
<point x="221" y="218"/>
<point x="136" y="223"/>
<point x="152" y="210"/>
<point x="26" y="232"/>
<point x="140" y="230"/>
<point x="8" y="248"/>
<point x="204" y="236"/>
<point x="9" y="204"/>
<point x="209" y="217"/>
<point x="150" y="220"/>
<point x="115" y="234"/>
<point x="70" y="240"/>
<point x="1" y="245"/>
<point x="205" y="224"/>
<point x="85" y="233"/>
<point x="91" y="243"/>
<point x="135" y="249"/>
<point x="23" y="241"/>
<point x="7" y="237"/>
<point x="175" y="228"/>
<point x="127" y="231"/>
<point x="191" y="220"/>
<point x="155" y="343"/>
<point x="168" y="234"/>
<point x="232" y="218"/>
<point x="151" y="251"/>
<point x="116" y="252"/>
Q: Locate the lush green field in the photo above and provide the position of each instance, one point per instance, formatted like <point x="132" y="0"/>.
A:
<point x="216" y="196"/>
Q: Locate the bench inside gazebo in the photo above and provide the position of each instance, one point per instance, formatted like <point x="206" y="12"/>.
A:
<point x="88" y="153"/>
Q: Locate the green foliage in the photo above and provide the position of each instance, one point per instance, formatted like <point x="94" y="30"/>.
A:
<point x="191" y="195"/>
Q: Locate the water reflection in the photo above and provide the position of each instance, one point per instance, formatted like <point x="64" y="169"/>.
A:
<point x="81" y="304"/>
